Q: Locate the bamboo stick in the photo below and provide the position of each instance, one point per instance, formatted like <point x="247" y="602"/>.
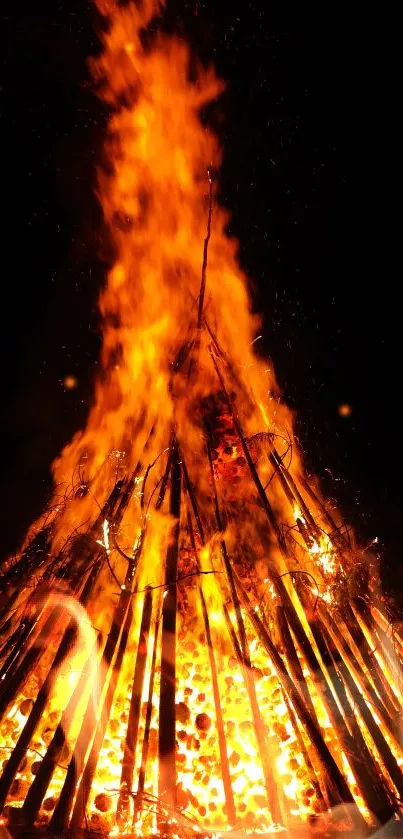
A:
<point x="366" y="771"/>
<point x="360" y="676"/>
<point x="327" y="762"/>
<point x="166" y="735"/>
<point x="205" y="256"/>
<point x="321" y="684"/>
<point x="126" y="777"/>
<point x="258" y="720"/>
<point x="373" y="728"/>
<point x="293" y="494"/>
<point x="294" y="662"/>
<point x="165" y="477"/>
<point x="138" y="798"/>
<point x="382" y="686"/>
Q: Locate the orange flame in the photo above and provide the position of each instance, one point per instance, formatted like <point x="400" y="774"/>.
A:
<point x="154" y="193"/>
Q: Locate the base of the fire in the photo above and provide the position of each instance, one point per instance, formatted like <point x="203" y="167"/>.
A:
<point x="196" y="686"/>
<point x="338" y="824"/>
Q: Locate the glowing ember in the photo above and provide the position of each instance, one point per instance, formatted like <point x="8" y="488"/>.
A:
<point x="345" y="410"/>
<point x="188" y="643"/>
<point x="70" y="382"/>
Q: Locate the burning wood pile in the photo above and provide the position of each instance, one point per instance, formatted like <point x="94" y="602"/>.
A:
<point x="190" y="640"/>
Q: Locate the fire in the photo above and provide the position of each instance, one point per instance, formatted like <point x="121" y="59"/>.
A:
<point x="219" y="671"/>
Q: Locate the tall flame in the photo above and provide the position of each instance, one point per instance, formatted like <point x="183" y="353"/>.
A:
<point x="154" y="194"/>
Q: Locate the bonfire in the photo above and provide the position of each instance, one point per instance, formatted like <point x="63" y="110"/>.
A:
<point x="192" y="643"/>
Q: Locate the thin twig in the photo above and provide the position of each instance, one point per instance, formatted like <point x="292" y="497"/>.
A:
<point x="146" y="474"/>
<point x="205" y="255"/>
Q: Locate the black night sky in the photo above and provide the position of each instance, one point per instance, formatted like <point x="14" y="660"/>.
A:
<point x="309" y="127"/>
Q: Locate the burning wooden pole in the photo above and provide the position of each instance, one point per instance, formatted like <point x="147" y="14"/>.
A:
<point x="129" y="754"/>
<point x="167" y="715"/>
<point x="205" y="256"/>
<point x="139" y="795"/>
<point x="293" y="661"/>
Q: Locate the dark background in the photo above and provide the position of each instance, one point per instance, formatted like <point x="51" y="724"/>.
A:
<point x="309" y="126"/>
